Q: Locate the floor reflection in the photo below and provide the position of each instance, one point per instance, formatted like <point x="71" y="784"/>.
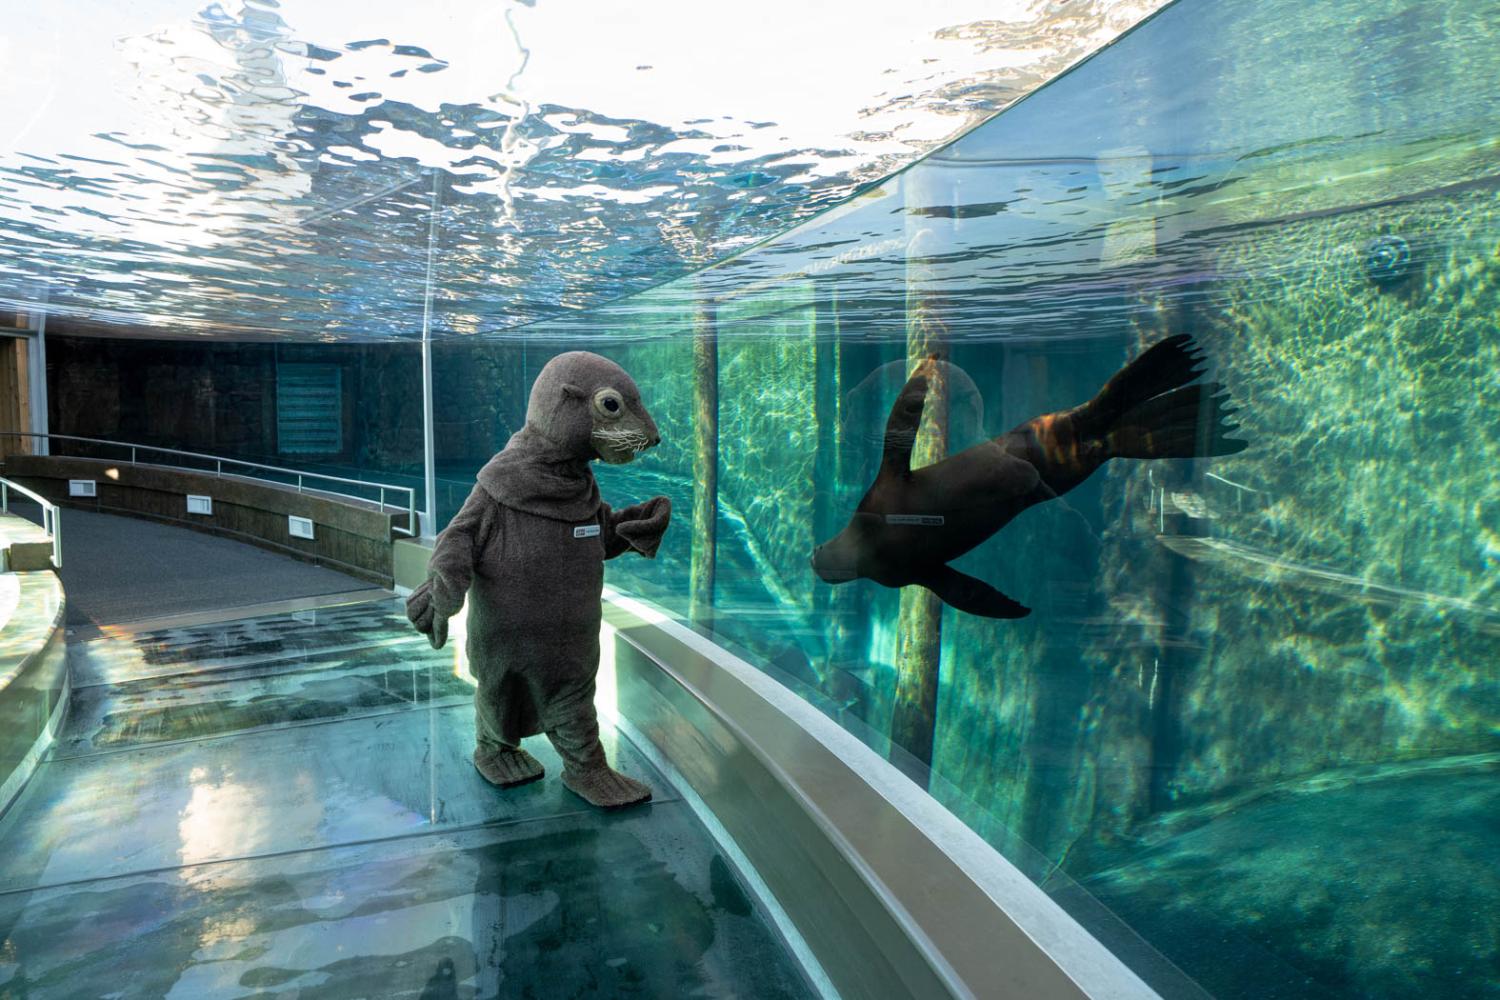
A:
<point x="346" y="855"/>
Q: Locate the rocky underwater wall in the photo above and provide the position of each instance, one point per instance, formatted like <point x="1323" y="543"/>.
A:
<point x="1323" y="605"/>
<point x="1347" y="611"/>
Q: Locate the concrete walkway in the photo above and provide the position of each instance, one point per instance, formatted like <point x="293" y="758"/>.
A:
<point x="124" y="569"/>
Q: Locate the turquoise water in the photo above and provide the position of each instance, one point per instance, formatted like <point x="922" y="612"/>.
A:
<point x="1250" y="732"/>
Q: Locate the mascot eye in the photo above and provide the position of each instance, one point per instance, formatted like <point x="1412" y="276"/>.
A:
<point x="609" y="403"/>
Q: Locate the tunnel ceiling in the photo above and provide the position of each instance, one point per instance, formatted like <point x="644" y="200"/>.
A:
<point x="269" y="169"/>
<point x="1144" y="178"/>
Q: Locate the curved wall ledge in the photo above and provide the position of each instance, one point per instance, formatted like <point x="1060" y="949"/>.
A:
<point x="33" y="674"/>
<point x="881" y="890"/>
<point x="349" y="536"/>
<point x="25" y="546"/>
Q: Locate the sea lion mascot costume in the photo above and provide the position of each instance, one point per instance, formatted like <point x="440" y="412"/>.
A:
<point x="528" y="548"/>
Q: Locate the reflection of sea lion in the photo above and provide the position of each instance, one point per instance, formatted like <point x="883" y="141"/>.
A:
<point x="865" y="407"/>
<point x="912" y="522"/>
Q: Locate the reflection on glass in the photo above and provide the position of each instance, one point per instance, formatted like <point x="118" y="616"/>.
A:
<point x="219" y="820"/>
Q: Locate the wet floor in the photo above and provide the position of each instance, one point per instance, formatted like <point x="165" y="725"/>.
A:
<point x="285" y="807"/>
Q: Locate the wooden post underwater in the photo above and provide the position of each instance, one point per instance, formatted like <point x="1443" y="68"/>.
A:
<point x="833" y="606"/>
<point x="705" y="461"/>
<point x="919" y="623"/>
<point x="827" y="405"/>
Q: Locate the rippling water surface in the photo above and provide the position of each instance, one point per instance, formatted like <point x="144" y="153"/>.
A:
<point x="272" y="167"/>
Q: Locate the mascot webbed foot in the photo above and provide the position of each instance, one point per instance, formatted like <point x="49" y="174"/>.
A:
<point x="505" y="767"/>
<point x="606" y="788"/>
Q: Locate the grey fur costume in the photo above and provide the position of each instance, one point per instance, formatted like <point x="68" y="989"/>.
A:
<point x="528" y="548"/>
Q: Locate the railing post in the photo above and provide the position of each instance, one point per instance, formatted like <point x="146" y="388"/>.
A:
<point x="5" y="499"/>
<point x="429" y="440"/>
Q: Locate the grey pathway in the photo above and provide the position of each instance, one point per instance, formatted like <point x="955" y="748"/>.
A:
<point x="124" y="569"/>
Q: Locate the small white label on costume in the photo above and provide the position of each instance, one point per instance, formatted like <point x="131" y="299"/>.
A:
<point x="925" y="520"/>
<point x="587" y="531"/>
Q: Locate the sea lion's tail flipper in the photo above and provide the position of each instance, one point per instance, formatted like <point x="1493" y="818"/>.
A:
<point x="965" y="593"/>
<point x="1148" y="409"/>
<point x="1166" y="365"/>
<point x="1185" y="423"/>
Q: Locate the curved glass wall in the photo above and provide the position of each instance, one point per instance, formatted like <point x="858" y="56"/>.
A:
<point x="1247" y="733"/>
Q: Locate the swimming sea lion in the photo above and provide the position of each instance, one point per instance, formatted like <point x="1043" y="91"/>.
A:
<point x="912" y="522"/>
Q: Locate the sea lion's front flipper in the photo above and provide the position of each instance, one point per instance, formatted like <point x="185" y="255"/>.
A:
<point x="965" y="593"/>
<point x="901" y="426"/>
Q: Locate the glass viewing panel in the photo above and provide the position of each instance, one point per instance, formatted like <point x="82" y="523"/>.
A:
<point x="1247" y="733"/>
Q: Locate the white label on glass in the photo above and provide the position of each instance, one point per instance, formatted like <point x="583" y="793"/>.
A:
<point x="924" y="520"/>
<point x="586" y="531"/>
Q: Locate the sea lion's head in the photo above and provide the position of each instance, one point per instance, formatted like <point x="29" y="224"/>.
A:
<point x="588" y="405"/>
<point x="843" y="557"/>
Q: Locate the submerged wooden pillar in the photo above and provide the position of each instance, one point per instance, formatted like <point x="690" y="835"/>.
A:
<point x="705" y="461"/>
<point x="827" y="402"/>
<point x="919" y="623"/>
<point x="836" y="607"/>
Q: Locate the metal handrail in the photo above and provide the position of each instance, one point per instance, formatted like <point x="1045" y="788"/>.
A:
<point x="51" y="523"/>
<point x="135" y="449"/>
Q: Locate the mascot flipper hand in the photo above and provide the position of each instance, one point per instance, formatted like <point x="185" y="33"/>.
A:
<point x="424" y="617"/>
<point x="528" y="550"/>
<point x="642" y="525"/>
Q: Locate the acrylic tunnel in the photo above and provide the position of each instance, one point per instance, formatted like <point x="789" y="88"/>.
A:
<point x="533" y="500"/>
